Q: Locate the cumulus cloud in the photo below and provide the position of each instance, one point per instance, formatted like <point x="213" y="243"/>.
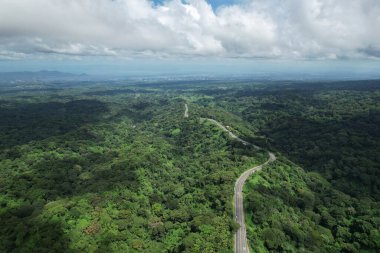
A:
<point x="133" y="28"/>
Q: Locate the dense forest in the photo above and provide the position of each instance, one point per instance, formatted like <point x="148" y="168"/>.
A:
<point x="323" y="194"/>
<point x="116" y="167"/>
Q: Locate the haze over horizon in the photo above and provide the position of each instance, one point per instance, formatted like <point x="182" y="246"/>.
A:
<point x="195" y="37"/>
<point x="189" y="126"/>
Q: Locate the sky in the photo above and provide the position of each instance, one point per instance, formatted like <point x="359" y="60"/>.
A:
<point x="191" y="35"/>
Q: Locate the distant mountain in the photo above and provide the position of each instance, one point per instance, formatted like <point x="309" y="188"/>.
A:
<point x="40" y="76"/>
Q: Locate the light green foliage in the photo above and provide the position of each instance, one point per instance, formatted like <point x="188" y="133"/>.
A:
<point x="301" y="216"/>
<point x="117" y="168"/>
<point x="176" y="132"/>
<point x="120" y="173"/>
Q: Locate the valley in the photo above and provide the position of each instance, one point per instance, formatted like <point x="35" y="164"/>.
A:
<point x="152" y="167"/>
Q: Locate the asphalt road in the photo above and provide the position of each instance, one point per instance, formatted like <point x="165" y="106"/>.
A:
<point x="241" y="244"/>
<point x="186" y="115"/>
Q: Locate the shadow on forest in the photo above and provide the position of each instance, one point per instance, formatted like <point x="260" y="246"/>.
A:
<point x="66" y="177"/>
<point x="53" y="177"/>
<point x="22" y="230"/>
<point x="23" y="123"/>
<point x="344" y="151"/>
<point x="291" y="89"/>
<point x="117" y="92"/>
<point x="16" y="91"/>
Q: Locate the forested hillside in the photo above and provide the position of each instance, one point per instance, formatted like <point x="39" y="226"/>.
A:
<point x="323" y="195"/>
<point x="116" y="167"/>
<point x="114" y="171"/>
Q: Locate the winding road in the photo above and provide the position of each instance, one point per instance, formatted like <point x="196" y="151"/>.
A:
<point x="241" y="244"/>
<point x="186" y="115"/>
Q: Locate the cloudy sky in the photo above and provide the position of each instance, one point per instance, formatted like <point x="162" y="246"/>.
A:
<point x="41" y="32"/>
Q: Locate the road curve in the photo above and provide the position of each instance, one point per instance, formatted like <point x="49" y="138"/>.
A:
<point x="241" y="244"/>
<point x="186" y="115"/>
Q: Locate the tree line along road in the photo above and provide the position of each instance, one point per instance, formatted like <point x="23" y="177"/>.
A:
<point x="241" y="244"/>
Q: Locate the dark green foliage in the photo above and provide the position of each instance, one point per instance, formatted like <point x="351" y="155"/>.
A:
<point x="332" y="129"/>
<point x="125" y="173"/>
<point x="26" y="122"/>
<point x="329" y="222"/>
<point x="86" y="168"/>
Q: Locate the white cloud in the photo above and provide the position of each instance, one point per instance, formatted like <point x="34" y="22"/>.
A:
<point x="10" y="55"/>
<point x="254" y="28"/>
